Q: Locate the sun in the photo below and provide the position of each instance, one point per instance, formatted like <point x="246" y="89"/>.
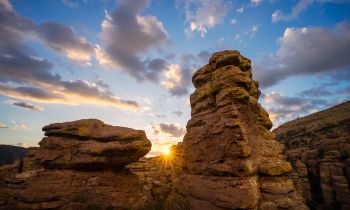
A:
<point x="166" y="151"/>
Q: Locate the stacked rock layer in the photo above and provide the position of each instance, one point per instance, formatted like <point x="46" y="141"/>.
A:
<point x="83" y="169"/>
<point x="230" y="158"/>
<point x="91" y="144"/>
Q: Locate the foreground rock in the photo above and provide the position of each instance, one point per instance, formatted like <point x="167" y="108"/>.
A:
<point x="318" y="147"/>
<point x="230" y="158"/>
<point x="91" y="144"/>
<point x="67" y="181"/>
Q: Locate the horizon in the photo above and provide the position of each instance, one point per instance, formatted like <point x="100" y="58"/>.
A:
<point x="130" y="64"/>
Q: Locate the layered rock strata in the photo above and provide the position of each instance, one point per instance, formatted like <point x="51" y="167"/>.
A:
<point x="230" y="158"/>
<point x="91" y="144"/>
<point x="83" y="169"/>
<point x="318" y="147"/>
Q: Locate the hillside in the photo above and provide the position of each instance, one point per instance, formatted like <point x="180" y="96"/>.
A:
<point x="9" y="153"/>
<point x="318" y="148"/>
<point x="316" y="121"/>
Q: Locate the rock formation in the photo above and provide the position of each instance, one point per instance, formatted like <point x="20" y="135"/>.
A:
<point x="318" y="147"/>
<point x="85" y="144"/>
<point x="230" y="158"/>
<point x="68" y="155"/>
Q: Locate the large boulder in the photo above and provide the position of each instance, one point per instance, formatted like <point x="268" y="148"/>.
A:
<point x="91" y="144"/>
<point x="230" y="158"/>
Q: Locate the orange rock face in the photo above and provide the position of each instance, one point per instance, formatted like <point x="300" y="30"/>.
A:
<point x="230" y="158"/>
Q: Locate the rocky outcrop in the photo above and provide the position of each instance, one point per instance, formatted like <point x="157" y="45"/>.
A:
<point x="83" y="169"/>
<point x="91" y="144"/>
<point x="318" y="147"/>
<point x="230" y="158"/>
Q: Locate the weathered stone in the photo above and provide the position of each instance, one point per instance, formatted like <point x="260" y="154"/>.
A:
<point x="91" y="144"/>
<point x="230" y="158"/>
<point x="316" y="147"/>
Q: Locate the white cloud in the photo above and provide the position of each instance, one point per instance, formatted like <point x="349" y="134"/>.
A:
<point x="234" y="21"/>
<point x="172" y="77"/>
<point x="253" y="30"/>
<point x="202" y="15"/>
<point x="18" y="126"/>
<point x="255" y="2"/>
<point x="240" y="9"/>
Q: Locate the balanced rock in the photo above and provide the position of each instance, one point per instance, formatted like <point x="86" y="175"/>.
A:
<point x="230" y="158"/>
<point x="91" y="144"/>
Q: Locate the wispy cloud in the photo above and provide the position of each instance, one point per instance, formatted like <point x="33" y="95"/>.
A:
<point x="70" y="3"/>
<point x="302" y="5"/>
<point x="26" y="105"/>
<point x="256" y="2"/>
<point x="202" y="15"/>
<point x="18" y="126"/>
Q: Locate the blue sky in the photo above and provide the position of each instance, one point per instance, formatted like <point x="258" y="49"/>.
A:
<point x="129" y="63"/>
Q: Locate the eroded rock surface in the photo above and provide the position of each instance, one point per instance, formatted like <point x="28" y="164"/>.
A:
<point x="91" y="144"/>
<point x="230" y="158"/>
<point x="67" y="181"/>
<point x="318" y="147"/>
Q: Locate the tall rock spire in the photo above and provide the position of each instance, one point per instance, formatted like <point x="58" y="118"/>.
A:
<point x="230" y="158"/>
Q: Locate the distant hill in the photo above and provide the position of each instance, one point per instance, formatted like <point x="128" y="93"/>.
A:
<point x="9" y="153"/>
<point x="316" y="121"/>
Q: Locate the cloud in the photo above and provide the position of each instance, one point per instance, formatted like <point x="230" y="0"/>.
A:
<point x="178" y="77"/>
<point x="63" y="39"/>
<point x="240" y="9"/>
<point x="253" y="30"/>
<point x="70" y="4"/>
<point x="57" y="36"/>
<point x="178" y="113"/>
<point x="284" y="108"/>
<point x="233" y="21"/>
<point x="2" y="125"/>
<point x="307" y="51"/>
<point x="18" y="126"/>
<point x="202" y="15"/>
<point x="299" y="8"/>
<point x="169" y="128"/>
<point x="26" y="105"/>
<point x="126" y="36"/>
<point x="24" y="75"/>
<point x="255" y="2"/>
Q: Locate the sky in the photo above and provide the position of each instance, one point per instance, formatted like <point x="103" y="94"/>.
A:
<point x="130" y="63"/>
